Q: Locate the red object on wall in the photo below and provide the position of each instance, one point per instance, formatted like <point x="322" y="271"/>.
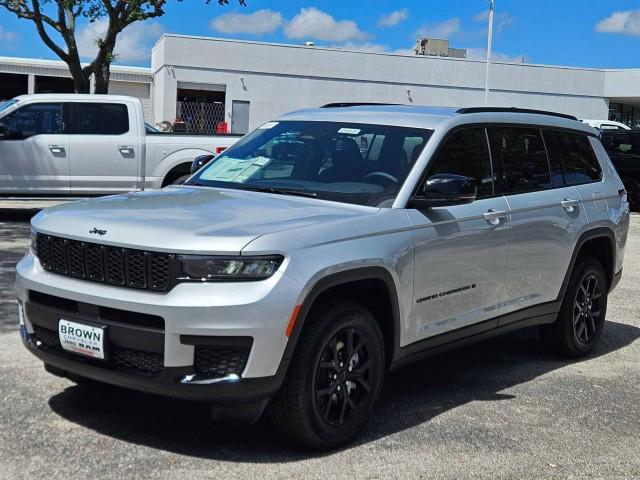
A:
<point x="222" y="128"/>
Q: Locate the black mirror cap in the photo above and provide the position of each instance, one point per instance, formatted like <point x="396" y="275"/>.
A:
<point x="445" y="189"/>
<point x="200" y="162"/>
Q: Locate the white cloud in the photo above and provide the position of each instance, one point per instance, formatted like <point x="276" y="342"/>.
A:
<point x="260" y="22"/>
<point x="501" y="20"/>
<point x="481" y="54"/>
<point x="394" y="18"/>
<point x="132" y="45"/>
<point x="312" y="23"/>
<point x="627" y="22"/>
<point x="444" y="30"/>
<point x="7" y="36"/>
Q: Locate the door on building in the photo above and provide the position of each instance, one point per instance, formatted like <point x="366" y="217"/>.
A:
<point x="34" y="151"/>
<point x="240" y="117"/>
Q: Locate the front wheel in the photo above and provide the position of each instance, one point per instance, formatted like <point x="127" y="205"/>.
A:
<point x="334" y="380"/>
<point x="579" y="325"/>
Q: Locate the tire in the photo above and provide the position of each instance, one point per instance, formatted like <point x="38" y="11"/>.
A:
<point x="327" y="399"/>
<point x="579" y="325"/>
<point x="179" y="180"/>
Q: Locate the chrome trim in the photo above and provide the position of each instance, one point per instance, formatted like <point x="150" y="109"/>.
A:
<point x="194" y="379"/>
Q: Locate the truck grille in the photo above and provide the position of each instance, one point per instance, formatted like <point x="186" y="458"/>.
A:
<point x="123" y="267"/>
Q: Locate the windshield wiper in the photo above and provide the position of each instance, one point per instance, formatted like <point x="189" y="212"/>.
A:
<point x="280" y="191"/>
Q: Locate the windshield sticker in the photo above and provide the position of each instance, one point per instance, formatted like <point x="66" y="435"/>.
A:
<point x="349" y="131"/>
<point x="267" y="125"/>
<point x="229" y="169"/>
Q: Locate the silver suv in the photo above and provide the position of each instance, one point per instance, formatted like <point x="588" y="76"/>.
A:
<point x="323" y="250"/>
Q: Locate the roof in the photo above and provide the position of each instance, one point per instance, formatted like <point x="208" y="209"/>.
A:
<point x="74" y="97"/>
<point x="429" y="117"/>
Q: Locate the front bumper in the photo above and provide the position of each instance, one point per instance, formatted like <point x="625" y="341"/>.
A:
<point x="190" y="315"/>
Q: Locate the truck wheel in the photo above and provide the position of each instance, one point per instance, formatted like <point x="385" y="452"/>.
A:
<point x="180" y="180"/>
<point x="334" y="378"/>
<point x="579" y="325"/>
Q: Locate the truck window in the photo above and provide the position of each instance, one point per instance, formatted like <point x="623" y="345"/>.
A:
<point x="99" y="119"/>
<point x="34" y="119"/>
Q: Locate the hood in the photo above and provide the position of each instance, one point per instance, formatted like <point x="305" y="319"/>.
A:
<point x="188" y="219"/>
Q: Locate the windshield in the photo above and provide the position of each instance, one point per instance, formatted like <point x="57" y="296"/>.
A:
<point x="345" y="162"/>
<point x="7" y="104"/>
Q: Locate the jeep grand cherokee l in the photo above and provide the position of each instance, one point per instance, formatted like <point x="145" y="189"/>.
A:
<point x="326" y="248"/>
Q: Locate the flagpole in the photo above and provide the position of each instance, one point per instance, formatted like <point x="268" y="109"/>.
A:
<point x="489" y="44"/>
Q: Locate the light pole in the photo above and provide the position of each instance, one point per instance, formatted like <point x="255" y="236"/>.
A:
<point x="489" y="42"/>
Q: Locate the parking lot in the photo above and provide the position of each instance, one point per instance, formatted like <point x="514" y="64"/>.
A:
<point x="504" y="408"/>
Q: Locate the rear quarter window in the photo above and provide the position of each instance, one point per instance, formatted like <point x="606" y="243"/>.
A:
<point x="572" y="158"/>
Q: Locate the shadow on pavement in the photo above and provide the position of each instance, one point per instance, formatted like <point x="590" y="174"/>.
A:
<point x="412" y="396"/>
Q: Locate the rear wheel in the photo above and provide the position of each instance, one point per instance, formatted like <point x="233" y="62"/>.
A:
<point x="579" y="325"/>
<point x="334" y="379"/>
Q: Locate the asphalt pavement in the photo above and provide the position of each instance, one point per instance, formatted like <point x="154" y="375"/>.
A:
<point x="504" y="408"/>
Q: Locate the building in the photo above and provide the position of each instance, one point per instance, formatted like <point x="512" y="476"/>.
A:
<point x="211" y="84"/>
<point x="438" y="48"/>
<point x="19" y="76"/>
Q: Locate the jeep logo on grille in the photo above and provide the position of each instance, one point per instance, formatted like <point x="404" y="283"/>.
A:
<point x="97" y="231"/>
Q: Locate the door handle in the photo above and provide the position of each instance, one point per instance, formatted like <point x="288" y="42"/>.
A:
<point x="493" y="217"/>
<point x="56" y="149"/>
<point x="569" y="204"/>
<point x="125" y="149"/>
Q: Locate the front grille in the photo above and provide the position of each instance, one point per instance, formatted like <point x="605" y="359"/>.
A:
<point x="137" y="361"/>
<point x="105" y="264"/>
<point x="220" y="361"/>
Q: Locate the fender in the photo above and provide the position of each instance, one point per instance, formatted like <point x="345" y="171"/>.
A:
<point x="334" y="280"/>
<point x="599" y="232"/>
<point x="185" y="155"/>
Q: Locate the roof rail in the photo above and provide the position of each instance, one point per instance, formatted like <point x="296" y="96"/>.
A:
<point x="354" y="104"/>
<point x="514" y="110"/>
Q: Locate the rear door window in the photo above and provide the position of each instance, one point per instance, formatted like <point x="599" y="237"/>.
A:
<point x="572" y="155"/>
<point x="99" y="119"/>
<point x="520" y="155"/>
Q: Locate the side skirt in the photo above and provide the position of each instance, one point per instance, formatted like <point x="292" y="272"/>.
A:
<point x="537" y="315"/>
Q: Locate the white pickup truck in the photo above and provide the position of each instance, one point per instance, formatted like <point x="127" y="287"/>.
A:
<point x="80" y="145"/>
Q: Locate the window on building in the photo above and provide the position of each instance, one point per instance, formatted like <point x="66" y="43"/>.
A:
<point x="520" y="154"/>
<point x="466" y="153"/>
<point x="99" y="119"/>
<point x="35" y="119"/>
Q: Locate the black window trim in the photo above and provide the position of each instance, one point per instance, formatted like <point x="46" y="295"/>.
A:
<point x="73" y="118"/>
<point x="498" y="189"/>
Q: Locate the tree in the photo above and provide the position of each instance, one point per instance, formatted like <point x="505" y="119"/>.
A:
<point x="61" y="16"/>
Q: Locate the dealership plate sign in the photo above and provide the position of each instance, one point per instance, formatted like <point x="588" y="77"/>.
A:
<point x="82" y="339"/>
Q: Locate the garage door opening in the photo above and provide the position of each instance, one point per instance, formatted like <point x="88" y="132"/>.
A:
<point x="200" y="111"/>
<point x="12" y="85"/>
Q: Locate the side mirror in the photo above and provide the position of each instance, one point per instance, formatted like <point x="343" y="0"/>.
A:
<point x="445" y="189"/>
<point x="200" y="162"/>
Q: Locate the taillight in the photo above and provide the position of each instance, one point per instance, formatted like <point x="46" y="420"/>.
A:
<point x="219" y="150"/>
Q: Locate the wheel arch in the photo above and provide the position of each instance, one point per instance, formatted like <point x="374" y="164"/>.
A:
<point x="176" y="161"/>
<point x="354" y="284"/>
<point x="599" y="243"/>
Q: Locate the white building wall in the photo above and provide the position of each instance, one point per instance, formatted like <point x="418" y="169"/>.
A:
<point x="280" y="78"/>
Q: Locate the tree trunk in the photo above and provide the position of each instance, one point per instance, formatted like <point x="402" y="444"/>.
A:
<point x="102" y="74"/>
<point x="81" y="83"/>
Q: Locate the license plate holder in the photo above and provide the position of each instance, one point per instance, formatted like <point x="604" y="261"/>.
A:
<point x="83" y="339"/>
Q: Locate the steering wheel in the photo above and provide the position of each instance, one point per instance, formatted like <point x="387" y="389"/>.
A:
<point x="386" y="175"/>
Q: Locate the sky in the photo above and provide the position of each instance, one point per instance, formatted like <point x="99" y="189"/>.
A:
<point x="581" y="33"/>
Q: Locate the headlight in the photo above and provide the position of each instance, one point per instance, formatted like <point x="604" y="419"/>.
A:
<point x="195" y="267"/>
